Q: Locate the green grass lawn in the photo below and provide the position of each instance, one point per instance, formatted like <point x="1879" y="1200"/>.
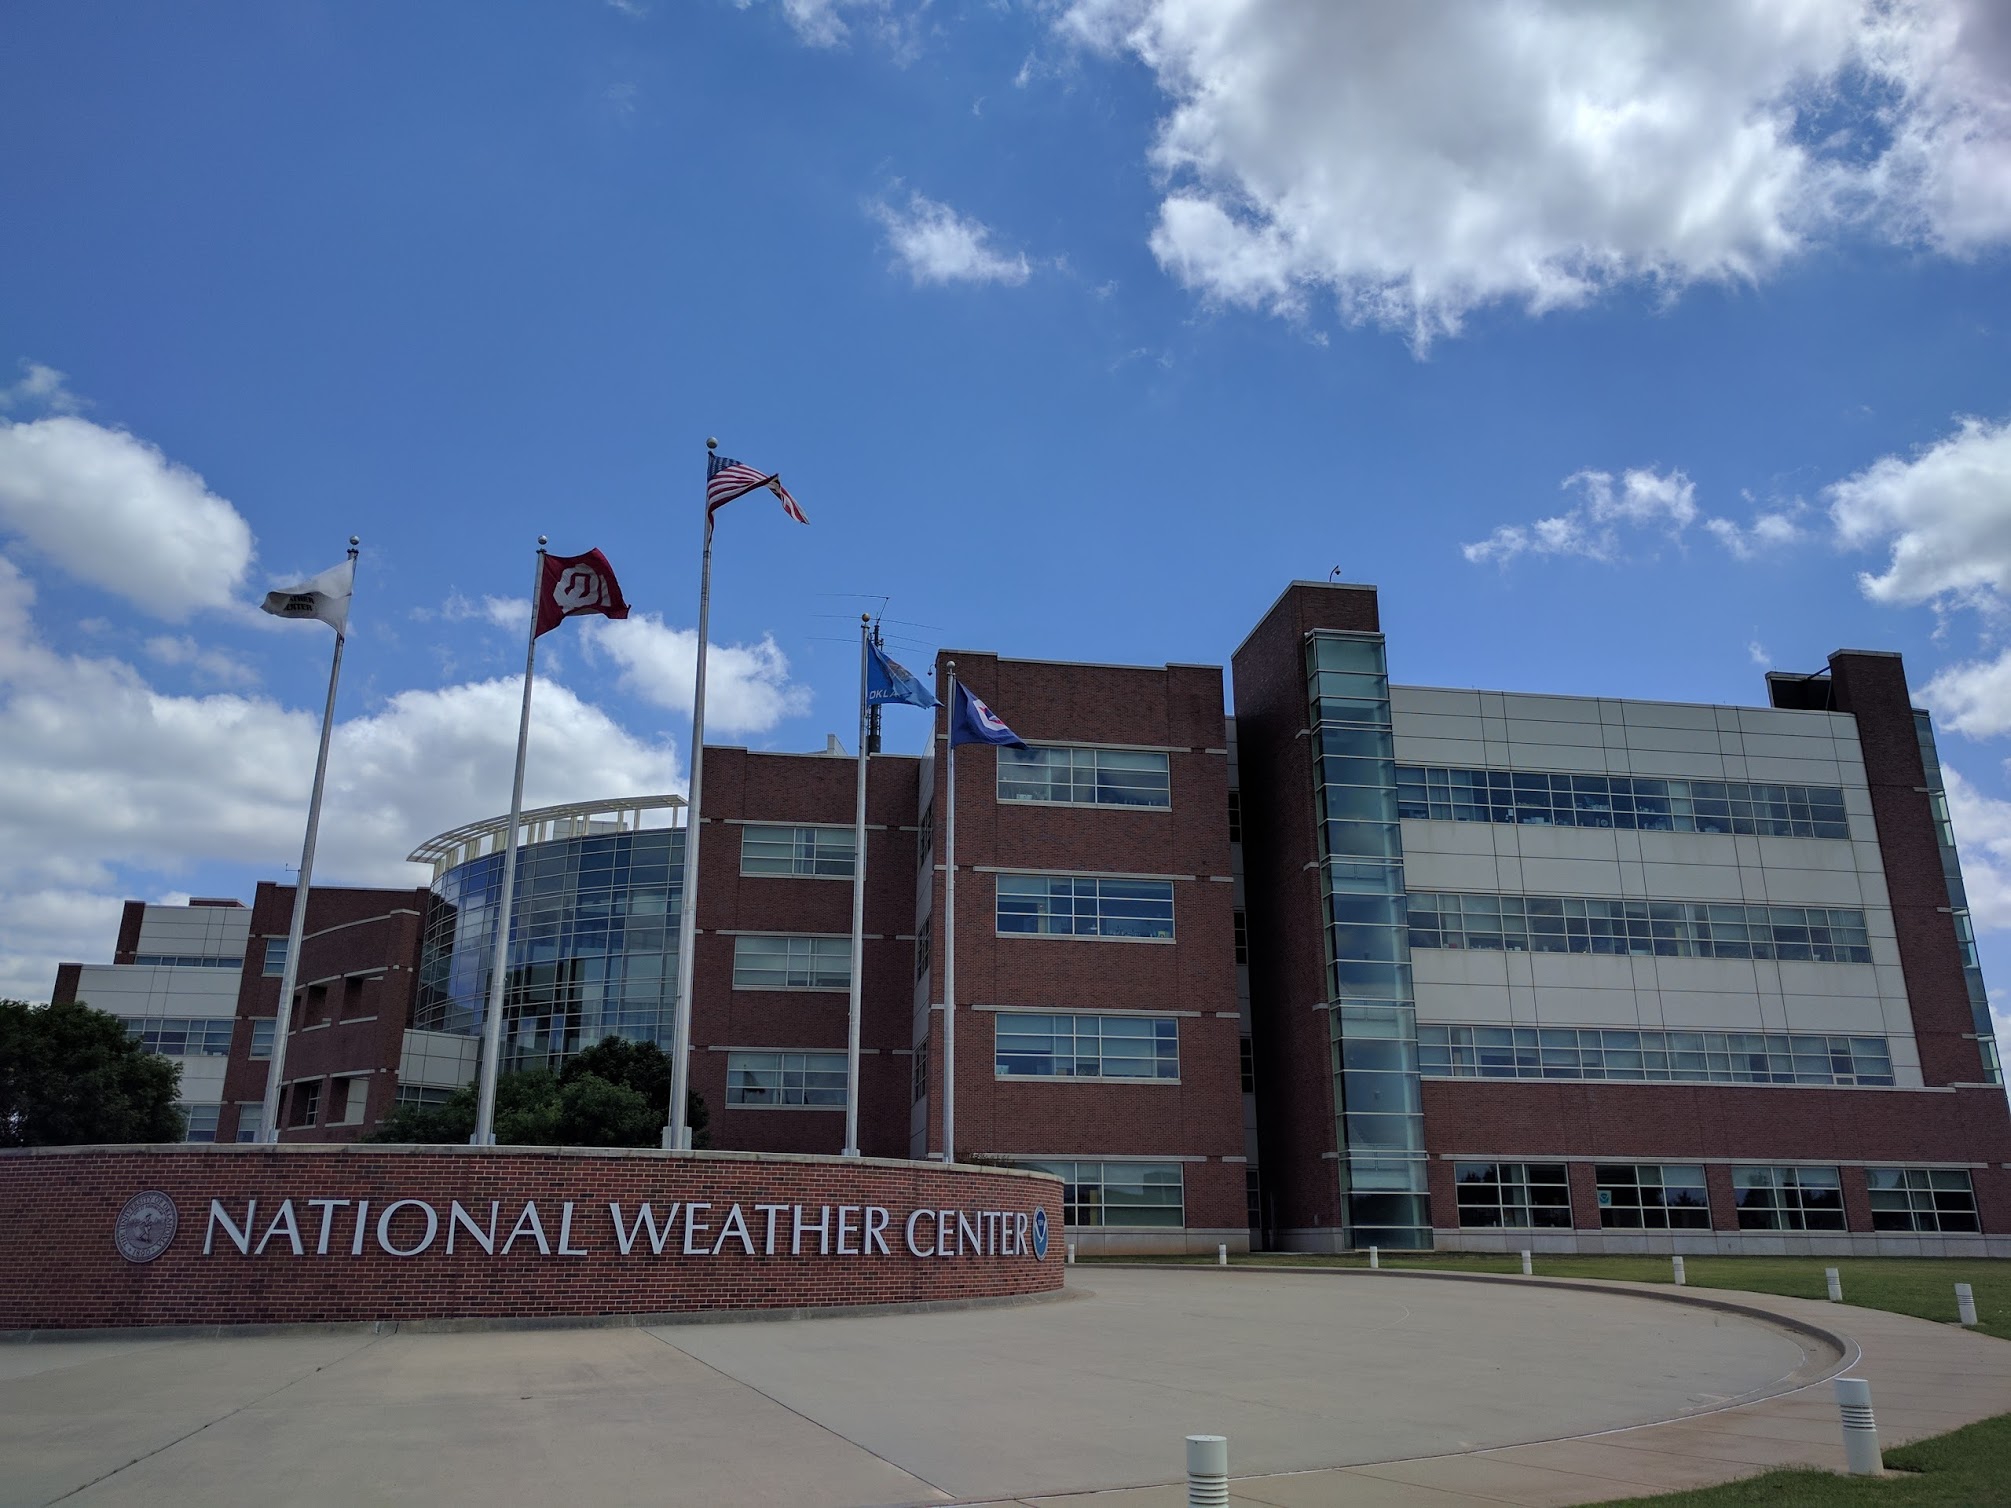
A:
<point x="1920" y="1286"/>
<point x="1970" y="1468"/>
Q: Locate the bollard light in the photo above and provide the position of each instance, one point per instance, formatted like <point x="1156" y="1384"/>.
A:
<point x="1222" y="1256"/>
<point x="1681" y="1280"/>
<point x="1835" y="1281"/>
<point x="1528" y="1267"/>
<point x="1375" y="1256"/>
<point x="1207" y="1471"/>
<point x="1071" y="1254"/>
<point x="1965" y="1303"/>
<point x="1860" y="1429"/>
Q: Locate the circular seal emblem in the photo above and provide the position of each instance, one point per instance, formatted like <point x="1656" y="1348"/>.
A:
<point x="1039" y="1235"/>
<point x="145" y="1226"/>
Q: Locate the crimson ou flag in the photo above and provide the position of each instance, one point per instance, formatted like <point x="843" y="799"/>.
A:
<point x="575" y="584"/>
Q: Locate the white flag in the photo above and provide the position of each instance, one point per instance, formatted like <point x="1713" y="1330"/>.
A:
<point x="325" y="597"/>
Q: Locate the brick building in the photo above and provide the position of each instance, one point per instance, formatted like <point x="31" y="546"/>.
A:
<point x="1365" y="965"/>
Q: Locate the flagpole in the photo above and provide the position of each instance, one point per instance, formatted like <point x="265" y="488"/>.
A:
<point x="492" y="1028"/>
<point x="290" y="973"/>
<point x="677" y="1126"/>
<point x="950" y="927"/>
<point x="858" y="912"/>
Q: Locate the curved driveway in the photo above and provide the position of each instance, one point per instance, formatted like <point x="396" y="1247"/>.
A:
<point x="1305" y="1372"/>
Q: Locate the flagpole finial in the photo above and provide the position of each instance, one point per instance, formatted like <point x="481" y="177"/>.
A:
<point x="711" y="443"/>
<point x="542" y="541"/>
<point x="355" y="540"/>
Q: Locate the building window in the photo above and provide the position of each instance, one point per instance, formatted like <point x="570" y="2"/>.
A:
<point x="1084" y="777"/>
<point x="921" y="1071"/>
<point x="306" y="1103"/>
<point x="1240" y="925"/>
<point x="1235" y="816"/>
<point x="1620" y="801"/>
<point x="1513" y="1196"/>
<point x="925" y="839"/>
<point x="1070" y="906"/>
<point x="250" y="1120"/>
<point x="1661" y="929"/>
<point x="355" y="1095"/>
<point x="1087" y="1047"/>
<point x="817" y="852"/>
<point x="792" y="963"/>
<point x="755" y="1079"/>
<point x="427" y="1096"/>
<point x="1652" y="1196"/>
<point x="1922" y="1199"/>
<point x="262" y="1029"/>
<point x="1678" y="1057"/>
<point x="1253" y="1198"/>
<point x="1247" y="1062"/>
<point x="924" y="946"/>
<point x="1118" y="1193"/>
<point x="187" y="961"/>
<point x="1788" y="1198"/>
<point x="275" y="958"/>
<point x="184" y="1036"/>
<point x="202" y="1121"/>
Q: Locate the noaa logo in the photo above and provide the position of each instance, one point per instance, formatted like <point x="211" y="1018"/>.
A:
<point x="145" y="1226"/>
<point x="1040" y="1235"/>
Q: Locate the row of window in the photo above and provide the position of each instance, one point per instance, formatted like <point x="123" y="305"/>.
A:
<point x="1620" y="801"/>
<point x="1084" y="777"/>
<point x="1693" y="1057"/>
<point x="1537" y="1196"/>
<point x="1660" y="929"/>
<point x="185" y="1036"/>
<point x="1077" y="906"/>
<point x="785" y="1078"/>
<point x="1094" y="1193"/>
<point x="1067" y="1046"/>
<point x="187" y="961"/>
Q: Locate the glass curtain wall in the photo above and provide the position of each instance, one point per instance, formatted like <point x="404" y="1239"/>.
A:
<point x="593" y="945"/>
<point x="1958" y="901"/>
<point x="1372" y="1015"/>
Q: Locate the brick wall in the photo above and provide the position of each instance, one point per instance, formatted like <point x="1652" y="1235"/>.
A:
<point x="1177" y="709"/>
<point x="59" y="1208"/>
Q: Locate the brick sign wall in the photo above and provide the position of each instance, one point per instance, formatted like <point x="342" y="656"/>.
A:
<point x="223" y="1235"/>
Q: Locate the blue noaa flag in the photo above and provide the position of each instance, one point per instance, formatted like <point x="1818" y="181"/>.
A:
<point x="972" y="722"/>
<point x="888" y="680"/>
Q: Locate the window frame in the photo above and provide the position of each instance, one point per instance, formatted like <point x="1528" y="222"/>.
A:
<point x="1922" y="1201"/>
<point x="1658" y="1216"/>
<point x="1015" y="759"/>
<point x="798" y="857"/>
<point x="1166" y="1027"/>
<point x="801" y="1066"/>
<point x="1508" y="1176"/>
<point x="1044" y="900"/>
<point x="810" y="971"/>
<point x="1070" y="1171"/>
<point x="1789" y="1215"/>
<point x="1661" y="1055"/>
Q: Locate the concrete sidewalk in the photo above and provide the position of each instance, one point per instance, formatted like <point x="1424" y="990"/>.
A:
<point x="1333" y="1387"/>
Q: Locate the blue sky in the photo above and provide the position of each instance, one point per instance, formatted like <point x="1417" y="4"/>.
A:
<point x="1629" y="352"/>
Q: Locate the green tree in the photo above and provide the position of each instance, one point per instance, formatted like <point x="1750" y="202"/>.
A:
<point x="613" y="1094"/>
<point x="71" y="1076"/>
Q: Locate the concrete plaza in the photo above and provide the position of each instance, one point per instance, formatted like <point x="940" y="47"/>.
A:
<point x="1333" y="1387"/>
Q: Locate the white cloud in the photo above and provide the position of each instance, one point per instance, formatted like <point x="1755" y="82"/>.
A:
<point x="1983" y="837"/>
<point x="48" y="927"/>
<point x="102" y="776"/>
<point x="1767" y="531"/>
<point x="1972" y="697"/>
<point x="823" y="23"/>
<point x="113" y="511"/>
<point x="937" y="245"/>
<point x="1757" y="653"/>
<point x="1417" y="162"/>
<point x="747" y="686"/>
<point x="1643" y="499"/>
<point x="209" y="666"/>
<point x="40" y="387"/>
<point x="1946" y="511"/>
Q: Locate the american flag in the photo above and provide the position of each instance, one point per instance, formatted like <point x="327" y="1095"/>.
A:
<point x="726" y="480"/>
